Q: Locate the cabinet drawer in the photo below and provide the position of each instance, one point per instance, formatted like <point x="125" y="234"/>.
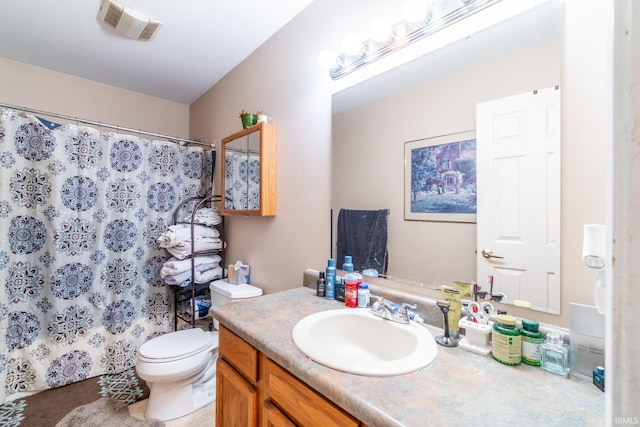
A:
<point x="239" y="354"/>
<point x="299" y="402"/>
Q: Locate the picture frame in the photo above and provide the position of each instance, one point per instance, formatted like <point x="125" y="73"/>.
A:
<point x="440" y="178"/>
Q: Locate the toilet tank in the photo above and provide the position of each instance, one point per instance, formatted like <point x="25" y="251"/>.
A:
<point x="223" y="292"/>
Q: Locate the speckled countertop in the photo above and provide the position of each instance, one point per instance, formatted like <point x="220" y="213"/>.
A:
<point x="458" y="388"/>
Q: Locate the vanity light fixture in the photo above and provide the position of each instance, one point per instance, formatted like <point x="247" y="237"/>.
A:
<point x="594" y="255"/>
<point x="420" y="20"/>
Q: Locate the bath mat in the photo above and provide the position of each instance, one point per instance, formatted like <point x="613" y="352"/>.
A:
<point x="47" y="408"/>
<point x="104" y="412"/>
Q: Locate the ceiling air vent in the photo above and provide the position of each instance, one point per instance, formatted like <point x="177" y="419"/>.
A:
<point x="128" y="22"/>
<point x="149" y="30"/>
<point x="112" y="13"/>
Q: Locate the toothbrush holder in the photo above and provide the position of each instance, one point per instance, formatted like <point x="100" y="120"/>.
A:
<point x="477" y="337"/>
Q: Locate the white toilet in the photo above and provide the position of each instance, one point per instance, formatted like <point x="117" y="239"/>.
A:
<point x="180" y="367"/>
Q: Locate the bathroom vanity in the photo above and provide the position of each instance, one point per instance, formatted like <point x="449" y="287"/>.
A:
<point x="264" y="379"/>
<point x="257" y="391"/>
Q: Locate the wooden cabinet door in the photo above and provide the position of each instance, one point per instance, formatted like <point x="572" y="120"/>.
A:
<point x="237" y="399"/>
<point x="272" y="417"/>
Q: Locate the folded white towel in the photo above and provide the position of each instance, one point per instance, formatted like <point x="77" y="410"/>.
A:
<point x="182" y="232"/>
<point x="183" y="249"/>
<point x="174" y="279"/>
<point x="206" y="216"/>
<point x="174" y="266"/>
<point x="204" y="277"/>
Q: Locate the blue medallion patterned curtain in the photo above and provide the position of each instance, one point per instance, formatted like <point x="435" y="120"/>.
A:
<point x="80" y="213"/>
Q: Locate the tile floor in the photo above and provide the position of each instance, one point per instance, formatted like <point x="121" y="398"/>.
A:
<point x="203" y="417"/>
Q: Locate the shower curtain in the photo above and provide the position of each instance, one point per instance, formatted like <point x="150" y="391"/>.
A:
<point x="80" y="212"/>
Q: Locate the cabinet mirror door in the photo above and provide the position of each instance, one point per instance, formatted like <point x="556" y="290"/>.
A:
<point x="248" y="171"/>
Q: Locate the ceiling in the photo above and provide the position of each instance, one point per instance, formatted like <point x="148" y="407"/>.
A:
<point x="199" y="42"/>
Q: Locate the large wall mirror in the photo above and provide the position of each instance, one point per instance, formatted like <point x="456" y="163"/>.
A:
<point x="432" y="96"/>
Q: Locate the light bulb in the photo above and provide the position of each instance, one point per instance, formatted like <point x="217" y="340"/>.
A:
<point x="414" y="11"/>
<point x="352" y="45"/>
<point x="380" y="30"/>
<point x="327" y="58"/>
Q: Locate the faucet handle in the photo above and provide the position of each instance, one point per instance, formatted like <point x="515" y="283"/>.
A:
<point x="403" y="310"/>
<point x="404" y="306"/>
<point x="377" y="305"/>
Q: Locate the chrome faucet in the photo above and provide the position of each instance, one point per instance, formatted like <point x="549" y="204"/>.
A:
<point x="390" y="310"/>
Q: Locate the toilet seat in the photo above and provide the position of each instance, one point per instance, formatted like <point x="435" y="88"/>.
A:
<point x="177" y="345"/>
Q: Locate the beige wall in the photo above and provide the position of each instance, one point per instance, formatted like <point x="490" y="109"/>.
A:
<point x="283" y="79"/>
<point x="45" y="90"/>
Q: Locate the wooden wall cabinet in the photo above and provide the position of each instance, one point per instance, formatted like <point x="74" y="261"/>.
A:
<point x="252" y="391"/>
<point x="249" y="171"/>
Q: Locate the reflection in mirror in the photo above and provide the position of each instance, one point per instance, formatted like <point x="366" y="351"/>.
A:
<point x="434" y="95"/>
<point x="242" y="172"/>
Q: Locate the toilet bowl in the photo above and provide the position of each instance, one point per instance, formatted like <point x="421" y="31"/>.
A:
<point x="180" y="371"/>
<point x="180" y="367"/>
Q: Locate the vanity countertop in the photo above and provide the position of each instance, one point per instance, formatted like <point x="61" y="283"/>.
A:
<point x="458" y="388"/>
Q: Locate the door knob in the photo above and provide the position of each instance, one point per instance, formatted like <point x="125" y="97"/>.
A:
<point x="487" y="253"/>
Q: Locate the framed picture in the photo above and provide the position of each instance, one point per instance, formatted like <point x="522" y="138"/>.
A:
<point x="440" y="178"/>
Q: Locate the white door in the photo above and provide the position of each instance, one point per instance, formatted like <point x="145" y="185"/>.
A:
<point x="518" y="178"/>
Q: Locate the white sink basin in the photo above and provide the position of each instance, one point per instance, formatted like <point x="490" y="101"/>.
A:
<point x="355" y="341"/>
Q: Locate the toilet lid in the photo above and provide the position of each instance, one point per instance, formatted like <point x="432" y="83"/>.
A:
<point x="235" y="291"/>
<point x="178" y="344"/>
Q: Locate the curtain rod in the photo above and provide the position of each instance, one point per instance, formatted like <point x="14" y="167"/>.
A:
<point x="181" y="141"/>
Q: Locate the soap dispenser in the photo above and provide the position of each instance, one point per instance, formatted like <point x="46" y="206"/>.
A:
<point x="555" y="355"/>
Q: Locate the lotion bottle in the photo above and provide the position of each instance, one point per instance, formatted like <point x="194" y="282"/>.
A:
<point x="330" y="279"/>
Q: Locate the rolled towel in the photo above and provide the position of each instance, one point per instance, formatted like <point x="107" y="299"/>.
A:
<point x="182" y="232"/>
<point x="183" y="250"/>
<point x="174" y="266"/>
<point x="174" y="279"/>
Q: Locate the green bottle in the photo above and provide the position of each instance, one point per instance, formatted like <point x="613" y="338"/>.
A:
<point x="506" y="341"/>
<point x="532" y="338"/>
